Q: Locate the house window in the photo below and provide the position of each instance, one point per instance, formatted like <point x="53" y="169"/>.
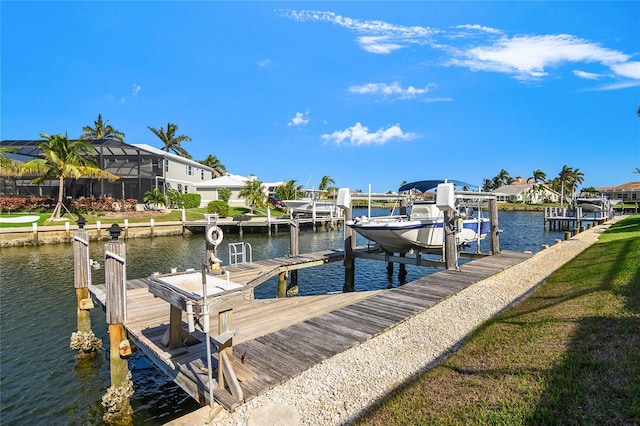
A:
<point x="186" y="189"/>
<point x="189" y="170"/>
<point x="202" y="174"/>
<point x="166" y="165"/>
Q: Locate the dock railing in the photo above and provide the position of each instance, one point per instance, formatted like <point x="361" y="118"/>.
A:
<point x="240" y="253"/>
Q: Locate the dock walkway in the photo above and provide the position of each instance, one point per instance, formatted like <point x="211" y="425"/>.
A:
<point x="280" y="338"/>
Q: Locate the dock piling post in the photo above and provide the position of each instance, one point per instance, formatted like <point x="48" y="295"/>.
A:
<point x="116" y="400"/>
<point x="84" y="341"/>
<point x="450" y="249"/>
<point x="34" y="226"/>
<point x="294" y="250"/>
<point x="344" y="203"/>
<point x="493" y="223"/>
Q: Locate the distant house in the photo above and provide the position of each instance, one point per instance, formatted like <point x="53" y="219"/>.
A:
<point x="140" y="168"/>
<point x="527" y="192"/>
<point x="210" y="190"/>
<point x="629" y="192"/>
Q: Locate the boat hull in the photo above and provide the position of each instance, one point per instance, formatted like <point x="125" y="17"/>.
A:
<point x="401" y="235"/>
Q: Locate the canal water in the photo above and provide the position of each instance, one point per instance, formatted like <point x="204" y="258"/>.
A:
<point x="43" y="383"/>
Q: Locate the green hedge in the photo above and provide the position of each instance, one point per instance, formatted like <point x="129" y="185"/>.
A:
<point x="191" y="201"/>
<point x="218" y="206"/>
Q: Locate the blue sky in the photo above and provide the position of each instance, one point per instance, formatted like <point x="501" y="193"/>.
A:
<point x="366" y="92"/>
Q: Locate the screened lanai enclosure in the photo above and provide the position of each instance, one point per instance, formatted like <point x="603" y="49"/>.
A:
<point x="139" y="171"/>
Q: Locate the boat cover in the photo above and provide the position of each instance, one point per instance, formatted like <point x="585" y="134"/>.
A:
<point x="426" y="185"/>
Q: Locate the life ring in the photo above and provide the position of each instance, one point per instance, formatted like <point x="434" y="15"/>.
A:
<point x="218" y="238"/>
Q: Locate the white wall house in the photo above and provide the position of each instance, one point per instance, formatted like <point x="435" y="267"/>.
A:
<point x="210" y="189"/>
<point x="629" y="192"/>
<point x="178" y="172"/>
<point x="526" y="192"/>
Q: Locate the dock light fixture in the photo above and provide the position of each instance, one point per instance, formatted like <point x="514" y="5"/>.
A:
<point x="81" y="222"/>
<point x="115" y="232"/>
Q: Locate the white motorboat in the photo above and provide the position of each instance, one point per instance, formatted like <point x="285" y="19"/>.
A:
<point x="422" y="228"/>
<point x="311" y="203"/>
<point x="595" y="204"/>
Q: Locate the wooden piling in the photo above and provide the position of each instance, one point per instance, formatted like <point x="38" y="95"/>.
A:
<point x="34" y="226"/>
<point x="294" y="241"/>
<point x="349" y="262"/>
<point x="450" y="249"/>
<point x="84" y="341"/>
<point x="117" y="397"/>
<point x="493" y="222"/>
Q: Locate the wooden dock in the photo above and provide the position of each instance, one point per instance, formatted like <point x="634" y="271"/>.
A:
<point x="280" y="338"/>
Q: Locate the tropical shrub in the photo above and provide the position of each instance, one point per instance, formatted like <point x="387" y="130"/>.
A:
<point x="82" y="205"/>
<point x="224" y="194"/>
<point x="218" y="206"/>
<point x="175" y="198"/>
<point x="155" y="197"/>
<point x="191" y="201"/>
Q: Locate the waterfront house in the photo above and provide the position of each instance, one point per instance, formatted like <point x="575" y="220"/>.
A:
<point x="627" y="192"/>
<point x="210" y="190"/>
<point x="528" y="192"/>
<point x="140" y="168"/>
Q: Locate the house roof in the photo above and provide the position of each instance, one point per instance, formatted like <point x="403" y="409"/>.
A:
<point x="227" y="181"/>
<point x="629" y="186"/>
<point x="162" y="153"/>
<point x="517" y="188"/>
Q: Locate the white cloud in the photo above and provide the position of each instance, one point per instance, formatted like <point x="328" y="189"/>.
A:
<point x="477" y="27"/>
<point x="392" y="90"/>
<point x="379" y="37"/>
<point x="629" y="69"/>
<point x="378" y="44"/>
<point x="360" y="135"/>
<point x="300" y="119"/>
<point x="264" y="63"/>
<point x="528" y="57"/>
<point x="586" y="75"/>
<point x="136" y="89"/>
<point x="482" y="48"/>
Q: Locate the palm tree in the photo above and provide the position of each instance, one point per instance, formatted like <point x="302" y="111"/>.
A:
<point x="325" y="182"/>
<point x="64" y="158"/>
<point x="155" y="197"/>
<point x="8" y="166"/>
<point x="569" y="178"/>
<point x="254" y="192"/>
<point x="212" y="161"/>
<point x="288" y="190"/>
<point x="538" y="176"/>
<point x="102" y="130"/>
<point x="170" y="140"/>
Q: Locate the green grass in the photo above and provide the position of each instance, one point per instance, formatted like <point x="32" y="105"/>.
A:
<point x="568" y="354"/>
<point x="92" y="218"/>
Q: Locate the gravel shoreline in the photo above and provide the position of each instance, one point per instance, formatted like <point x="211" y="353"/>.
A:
<point x="335" y="391"/>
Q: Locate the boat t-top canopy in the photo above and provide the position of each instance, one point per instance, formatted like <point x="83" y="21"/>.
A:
<point x="426" y="185"/>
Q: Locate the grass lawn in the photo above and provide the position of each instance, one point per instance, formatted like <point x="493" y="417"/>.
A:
<point x="174" y="215"/>
<point x="568" y="354"/>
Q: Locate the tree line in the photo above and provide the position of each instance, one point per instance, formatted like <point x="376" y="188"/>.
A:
<point x="566" y="182"/>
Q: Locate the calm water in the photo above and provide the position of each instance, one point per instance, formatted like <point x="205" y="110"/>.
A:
<point x="42" y="382"/>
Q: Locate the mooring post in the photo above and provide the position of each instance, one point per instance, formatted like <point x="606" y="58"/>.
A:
<point x="34" y="227"/>
<point x="493" y="223"/>
<point x="84" y="341"/>
<point x="116" y="400"/>
<point x="294" y="238"/>
<point x="450" y="249"/>
<point x="349" y="263"/>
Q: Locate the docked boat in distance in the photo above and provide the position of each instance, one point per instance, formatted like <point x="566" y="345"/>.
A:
<point x="311" y="203"/>
<point x="421" y="228"/>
